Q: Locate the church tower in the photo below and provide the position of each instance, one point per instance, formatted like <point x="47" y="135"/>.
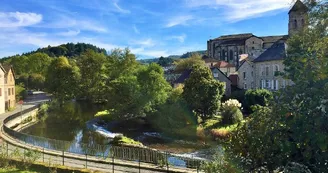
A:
<point x="297" y="17"/>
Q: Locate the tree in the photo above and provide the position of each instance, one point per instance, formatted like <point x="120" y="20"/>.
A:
<point x="38" y="63"/>
<point x="36" y="81"/>
<point x="293" y="129"/>
<point x="188" y="63"/>
<point x="202" y="92"/>
<point x="62" y="79"/>
<point x="260" y="97"/>
<point x="93" y="75"/>
<point x="164" y="61"/>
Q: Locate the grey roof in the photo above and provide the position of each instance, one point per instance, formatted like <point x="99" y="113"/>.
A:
<point x="299" y="6"/>
<point x="276" y="52"/>
<point x="185" y="75"/>
<point x="272" y="39"/>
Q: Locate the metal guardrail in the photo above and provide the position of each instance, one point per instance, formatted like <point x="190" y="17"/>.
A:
<point x="144" y="155"/>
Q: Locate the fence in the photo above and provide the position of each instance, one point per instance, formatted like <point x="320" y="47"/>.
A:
<point x="109" y="153"/>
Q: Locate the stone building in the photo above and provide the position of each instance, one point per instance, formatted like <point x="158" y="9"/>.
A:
<point x="10" y="93"/>
<point x="265" y="55"/>
<point x="229" y="47"/>
<point x="2" y="90"/>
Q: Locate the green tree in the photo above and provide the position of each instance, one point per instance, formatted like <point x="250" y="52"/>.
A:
<point x="138" y="93"/>
<point x="188" y="63"/>
<point x="294" y="128"/>
<point x="202" y="92"/>
<point x="260" y="97"/>
<point x="164" y="61"/>
<point x="36" y="81"/>
<point x="62" y="79"/>
<point x="38" y="63"/>
<point x="93" y="75"/>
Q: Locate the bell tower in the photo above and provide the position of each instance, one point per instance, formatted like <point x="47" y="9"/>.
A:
<point x="297" y="17"/>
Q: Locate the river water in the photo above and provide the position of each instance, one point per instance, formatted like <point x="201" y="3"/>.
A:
<point x="75" y="122"/>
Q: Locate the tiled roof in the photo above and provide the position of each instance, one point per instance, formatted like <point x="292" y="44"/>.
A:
<point x="275" y="52"/>
<point x="299" y="6"/>
<point x="223" y="64"/>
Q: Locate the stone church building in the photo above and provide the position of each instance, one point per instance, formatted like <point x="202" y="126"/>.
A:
<point x="264" y="53"/>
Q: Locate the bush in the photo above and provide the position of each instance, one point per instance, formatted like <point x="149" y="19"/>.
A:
<point x="260" y="97"/>
<point x="43" y="110"/>
<point x="231" y="113"/>
<point x="21" y="93"/>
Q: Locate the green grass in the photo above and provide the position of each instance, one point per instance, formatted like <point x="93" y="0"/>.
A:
<point x="126" y="140"/>
<point x="16" y="170"/>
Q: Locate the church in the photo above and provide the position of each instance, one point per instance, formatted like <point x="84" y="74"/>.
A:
<point x="264" y="53"/>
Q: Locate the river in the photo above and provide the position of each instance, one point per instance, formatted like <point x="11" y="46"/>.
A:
<point x="75" y="122"/>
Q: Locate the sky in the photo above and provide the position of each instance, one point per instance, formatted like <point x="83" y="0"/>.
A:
<point x="149" y="28"/>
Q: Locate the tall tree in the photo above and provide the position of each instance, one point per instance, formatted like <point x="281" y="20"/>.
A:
<point x="93" y="74"/>
<point x="202" y="92"/>
<point x="188" y="63"/>
<point x="294" y="128"/>
<point x="38" y="63"/>
<point x="62" y="79"/>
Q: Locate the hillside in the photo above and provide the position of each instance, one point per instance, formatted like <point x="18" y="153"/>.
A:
<point x="67" y="50"/>
<point x="185" y="55"/>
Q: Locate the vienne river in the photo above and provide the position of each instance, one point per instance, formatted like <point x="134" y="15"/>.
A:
<point x="75" y="122"/>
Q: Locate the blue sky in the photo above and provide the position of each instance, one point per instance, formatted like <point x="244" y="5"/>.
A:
<point x="150" y="28"/>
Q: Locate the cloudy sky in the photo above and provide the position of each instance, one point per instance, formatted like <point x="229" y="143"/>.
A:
<point x="150" y="28"/>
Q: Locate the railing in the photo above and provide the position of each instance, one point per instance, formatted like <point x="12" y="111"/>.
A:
<point x="137" y="154"/>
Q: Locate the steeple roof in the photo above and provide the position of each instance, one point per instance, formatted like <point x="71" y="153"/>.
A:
<point x="298" y="6"/>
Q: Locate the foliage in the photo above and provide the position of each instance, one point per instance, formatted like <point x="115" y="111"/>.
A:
<point x="189" y="54"/>
<point x="62" y="79"/>
<point x="188" y="63"/>
<point x="21" y="93"/>
<point x="202" y="92"/>
<point x="93" y="74"/>
<point x="231" y="113"/>
<point x="164" y="62"/>
<point x="121" y="139"/>
<point x="260" y="97"/>
<point x="36" y="81"/>
<point x="140" y="92"/>
<point x="219" y="165"/>
<point x="43" y="110"/>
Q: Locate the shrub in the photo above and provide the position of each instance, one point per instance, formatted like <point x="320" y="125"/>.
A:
<point x="260" y="97"/>
<point x="42" y="110"/>
<point x="231" y="113"/>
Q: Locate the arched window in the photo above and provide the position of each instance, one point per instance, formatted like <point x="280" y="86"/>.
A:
<point x="231" y="55"/>
<point x="295" y="23"/>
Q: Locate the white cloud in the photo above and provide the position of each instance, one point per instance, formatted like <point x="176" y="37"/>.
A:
<point x="235" y="10"/>
<point x="149" y="53"/>
<point x="18" y="19"/>
<point x="136" y="30"/>
<point x="147" y="43"/>
<point x="121" y="10"/>
<point x="69" y="33"/>
<point x="178" y="20"/>
<point x="181" y="38"/>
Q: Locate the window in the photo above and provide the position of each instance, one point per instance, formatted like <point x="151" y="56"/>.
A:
<point x="295" y="23"/>
<point x="262" y="84"/>
<point x="244" y="75"/>
<point x="12" y="90"/>
<point x="267" y="84"/>
<point x="275" y="85"/>
<point x="231" y="55"/>
<point x="245" y="86"/>
<point x="9" y="91"/>
<point x="267" y="70"/>
<point x="275" y="69"/>
<point x="211" y="64"/>
<point x="253" y="48"/>
<point x="215" y="74"/>
<point x="253" y="42"/>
